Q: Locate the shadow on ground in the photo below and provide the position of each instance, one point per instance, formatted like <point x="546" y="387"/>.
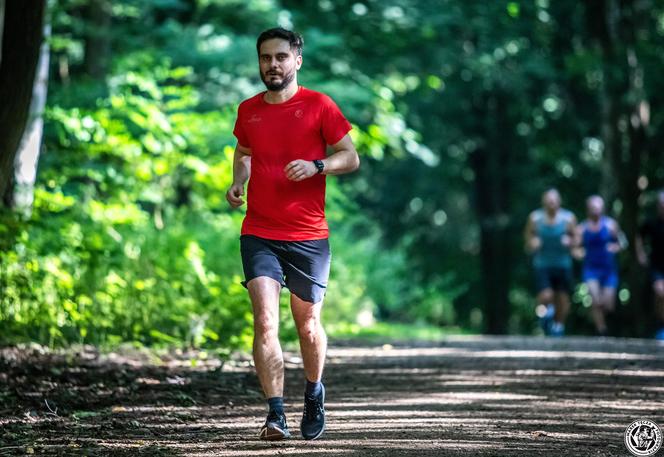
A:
<point x="479" y="396"/>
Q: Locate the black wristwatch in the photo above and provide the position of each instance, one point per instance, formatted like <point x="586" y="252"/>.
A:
<point x="319" y="165"/>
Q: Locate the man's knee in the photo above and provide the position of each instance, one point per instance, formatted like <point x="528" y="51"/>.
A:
<point x="609" y="303"/>
<point x="561" y="296"/>
<point x="545" y="297"/>
<point x="310" y="329"/>
<point x="265" y="326"/>
<point x="263" y="289"/>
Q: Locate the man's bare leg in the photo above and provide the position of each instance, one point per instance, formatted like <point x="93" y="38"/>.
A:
<point x="545" y="297"/>
<point x="268" y="358"/>
<point x="562" y="306"/>
<point x="609" y="299"/>
<point x="562" y="302"/>
<point x="597" y="306"/>
<point x="313" y="340"/>
<point x="313" y="345"/>
<point x="543" y="309"/>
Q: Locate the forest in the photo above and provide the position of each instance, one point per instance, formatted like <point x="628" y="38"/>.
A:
<point x="116" y="147"/>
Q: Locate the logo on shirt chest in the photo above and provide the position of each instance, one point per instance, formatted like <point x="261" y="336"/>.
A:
<point x="299" y="114"/>
<point x="254" y="118"/>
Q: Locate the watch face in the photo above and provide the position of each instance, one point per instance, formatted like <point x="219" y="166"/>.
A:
<point x="319" y="165"/>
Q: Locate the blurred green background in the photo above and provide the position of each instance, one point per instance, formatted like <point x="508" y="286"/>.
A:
<point x="463" y="113"/>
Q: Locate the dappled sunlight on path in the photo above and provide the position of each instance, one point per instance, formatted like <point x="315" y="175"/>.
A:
<point x="479" y="396"/>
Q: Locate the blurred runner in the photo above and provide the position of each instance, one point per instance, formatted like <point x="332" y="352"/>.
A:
<point x="549" y="235"/>
<point x="651" y="235"/>
<point x="601" y="239"/>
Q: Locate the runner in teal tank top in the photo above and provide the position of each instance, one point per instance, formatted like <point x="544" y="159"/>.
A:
<point x="549" y="235"/>
<point x="553" y="251"/>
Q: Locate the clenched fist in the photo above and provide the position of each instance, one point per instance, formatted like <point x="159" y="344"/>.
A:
<point x="297" y="170"/>
<point x="234" y="195"/>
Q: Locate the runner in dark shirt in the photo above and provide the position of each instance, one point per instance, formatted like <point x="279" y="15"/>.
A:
<point x="651" y="235"/>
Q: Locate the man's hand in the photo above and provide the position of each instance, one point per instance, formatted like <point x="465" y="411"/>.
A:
<point x="297" y="170"/>
<point x="578" y="253"/>
<point x="613" y="248"/>
<point x="566" y="240"/>
<point x="234" y="195"/>
<point x="534" y="244"/>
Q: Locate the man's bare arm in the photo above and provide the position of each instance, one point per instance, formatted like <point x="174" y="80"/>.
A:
<point x="241" y="173"/>
<point x="571" y="238"/>
<point x="343" y="159"/>
<point x="621" y="242"/>
<point x="531" y="240"/>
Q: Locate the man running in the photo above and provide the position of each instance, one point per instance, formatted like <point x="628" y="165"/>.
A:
<point x="652" y="233"/>
<point x="601" y="239"/>
<point x="549" y="235"/>
<point x="282" y="136"/>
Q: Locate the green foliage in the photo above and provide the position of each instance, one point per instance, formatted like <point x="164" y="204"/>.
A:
<point x="131" y="239"/>
<point x="126" y="241"/>
<point x="391" y="331"/>
<point x="497" y="102"/>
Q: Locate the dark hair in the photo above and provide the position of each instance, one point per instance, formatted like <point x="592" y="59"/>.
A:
<point x="294" y="39"/>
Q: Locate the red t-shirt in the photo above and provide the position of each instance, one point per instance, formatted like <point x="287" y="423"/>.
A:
<point x="300" y="128"/>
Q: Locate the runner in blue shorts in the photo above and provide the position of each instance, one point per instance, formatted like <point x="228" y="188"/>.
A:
<point x="601" y="239"/>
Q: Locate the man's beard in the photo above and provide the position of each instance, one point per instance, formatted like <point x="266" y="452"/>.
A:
<point x="278" y="86"/>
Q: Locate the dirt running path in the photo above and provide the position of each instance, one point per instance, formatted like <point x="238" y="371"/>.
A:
<point x="465" y="396"/>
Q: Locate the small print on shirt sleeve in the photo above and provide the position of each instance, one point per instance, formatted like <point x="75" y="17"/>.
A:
<point x="334" y="124"/>
<point x="239" y="132"/>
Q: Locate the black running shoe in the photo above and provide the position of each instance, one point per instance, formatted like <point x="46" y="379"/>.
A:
<point x="275" y="427"/>
<point x="313" y="419"/>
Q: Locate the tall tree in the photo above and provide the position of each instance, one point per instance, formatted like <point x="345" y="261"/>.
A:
<point x="615" y="26"/>
<point x="2" y="21"/>
<point x="492" y="161"/>
<point x="97" y="38"/>
<point x="21" y="43"/>
<point x="30" y="148"/>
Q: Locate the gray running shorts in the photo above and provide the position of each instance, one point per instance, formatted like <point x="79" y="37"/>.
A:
<point x="302" y="266"/>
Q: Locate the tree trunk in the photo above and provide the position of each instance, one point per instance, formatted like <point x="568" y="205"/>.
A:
<point x="491" y="163"/>
<point x="2" y="22"/>
<point x="27" y="157"/>
<point x="97" y="38"/>
<point x="624" y="118"/>
<point x="21" y="42"/>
